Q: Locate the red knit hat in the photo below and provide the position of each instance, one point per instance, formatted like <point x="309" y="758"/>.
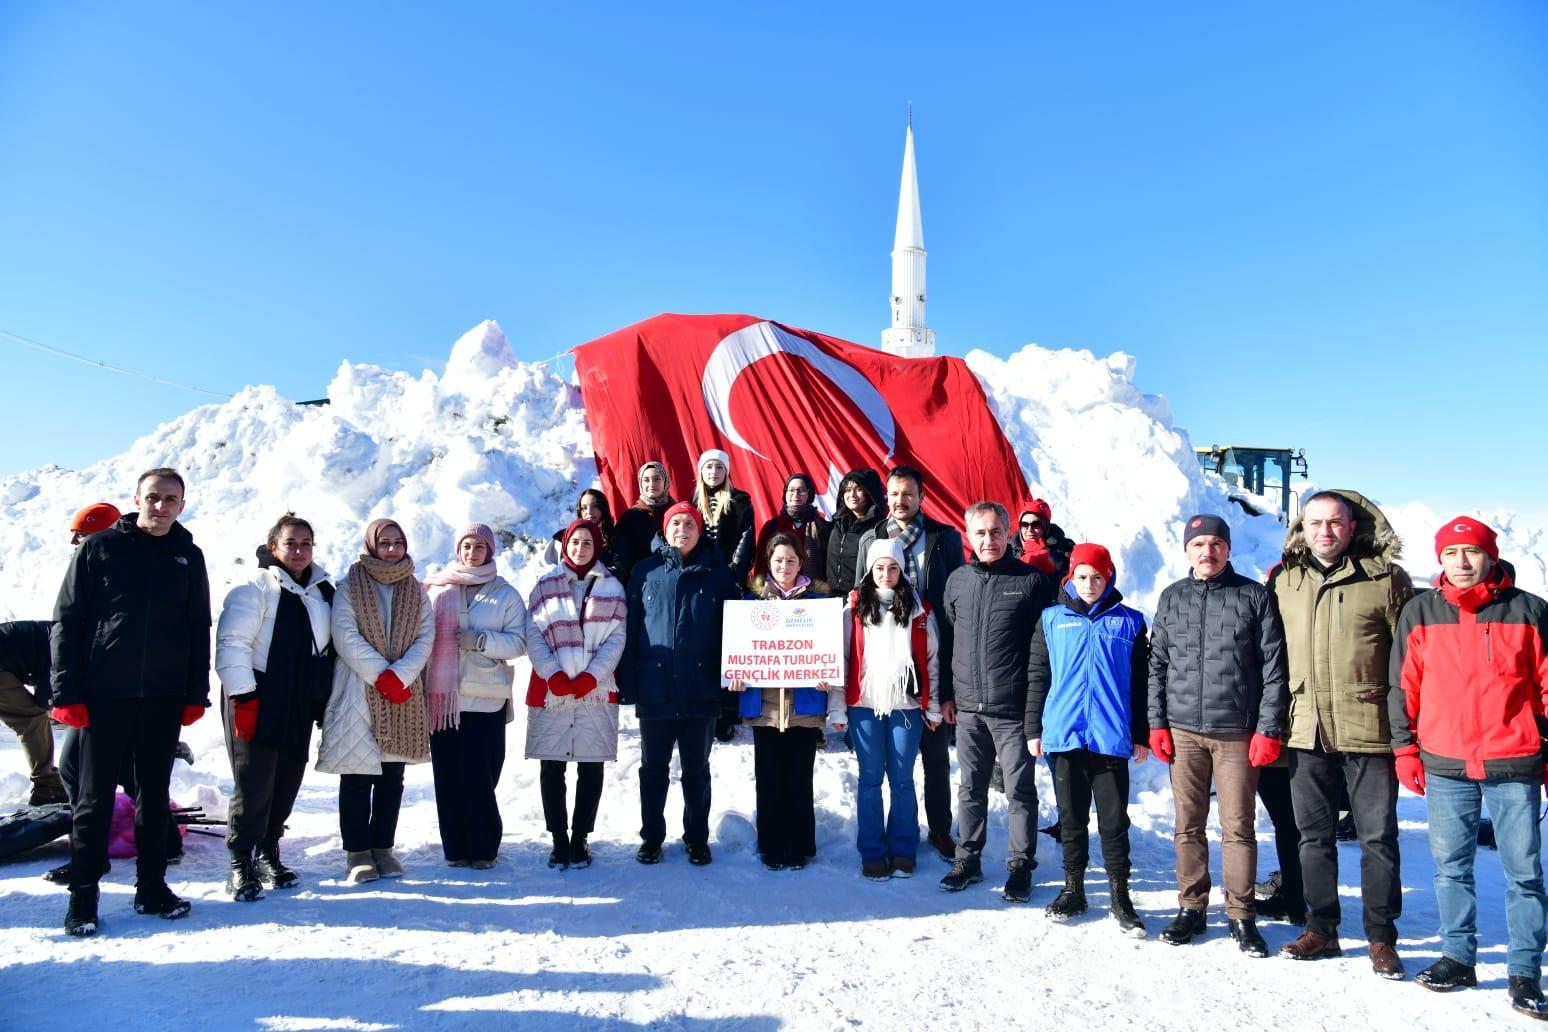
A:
<point x="1465" y="530"/>
<point x="678" y="510"/>
<point x="1095" y="556"/>
<point x="96" y="516"/>
<point x="1041" y="509"/>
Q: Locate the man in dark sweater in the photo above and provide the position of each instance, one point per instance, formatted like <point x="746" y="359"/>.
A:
<point x="24" y="665"/>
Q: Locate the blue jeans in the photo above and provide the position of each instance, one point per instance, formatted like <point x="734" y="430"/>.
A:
<point x="886" y="747"/>
<point x="1453" y="811"/>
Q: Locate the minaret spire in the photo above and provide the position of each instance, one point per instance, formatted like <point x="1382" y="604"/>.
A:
<point x="908" y="336"/>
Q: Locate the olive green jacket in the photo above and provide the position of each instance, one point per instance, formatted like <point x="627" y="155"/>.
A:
<point x="1338" y="634"/>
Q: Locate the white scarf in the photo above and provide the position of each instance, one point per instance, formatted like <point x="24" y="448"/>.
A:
<point x="889" y="666"/>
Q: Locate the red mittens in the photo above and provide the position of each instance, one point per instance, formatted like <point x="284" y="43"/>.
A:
<point x="244" y="719"/>
<point x="582" y="685"/>
<point x="191" y="714"/>
<point x="392" y="689"/>
<point x="73" y="715"/>
<point x="1161" y="744"/>
<point x="1410" y="771"/>
<point x="1262" y="750"/>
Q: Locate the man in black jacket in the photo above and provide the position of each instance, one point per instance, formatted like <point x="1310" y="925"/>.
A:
<point x="992" y="606"/>
<point x="1217" y="713"/>
<point x="931" y="551"/>
<point x="24" y="662"/>
<point x="131" y="658"/>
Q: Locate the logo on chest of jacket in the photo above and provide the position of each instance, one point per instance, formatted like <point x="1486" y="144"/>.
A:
<point x="182" y="560"/>
<point x="1115" y="623"/>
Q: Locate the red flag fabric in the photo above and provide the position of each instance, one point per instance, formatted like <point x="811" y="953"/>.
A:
<point x="781" y="400"/>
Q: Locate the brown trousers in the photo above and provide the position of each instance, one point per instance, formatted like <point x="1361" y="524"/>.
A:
<point x="1222" y="759"/>
<point x="21" y="713"/>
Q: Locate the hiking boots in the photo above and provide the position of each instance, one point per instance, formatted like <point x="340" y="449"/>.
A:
<point x="387" y="865"/>
<point x="1311" y="946"/>
<point x="1184" y="927"/>
<point x="81" y="917"/>
<point x="1268" y="886"/>
<point x="1526" y="997"/>
<point x="1018" y="884"/>
<point x="159" y="900"/>
<point x="1071" y="900"/>
<point x="47" y="795"/>
<point x="1446" y="974"/>
<point x="962" y="874"/>
<point x="1248" y="939"/>
<point x="359" y="867"/>
<point x="272" y="870"/>
<point x="243" y="882"/>
<point x="580" y="852"/>
<point x="875" y="870"/>
<point x="1385" y="961"/>
<point x="1123" y="909"/>
<point x="1280" y="907"/>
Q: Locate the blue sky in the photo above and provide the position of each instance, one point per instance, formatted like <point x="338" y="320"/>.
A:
<point x="1319" y="225"/>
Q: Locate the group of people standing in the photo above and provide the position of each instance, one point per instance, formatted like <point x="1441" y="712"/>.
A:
<point x="1018" y="645"/>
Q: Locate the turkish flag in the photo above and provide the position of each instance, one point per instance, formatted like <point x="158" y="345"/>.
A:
<point x="779" y="401"/>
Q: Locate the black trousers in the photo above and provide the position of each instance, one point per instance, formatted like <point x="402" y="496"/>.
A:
<point x="1274" y="791"/>
<point x="368" y="808"/>
<point x="588" y="795"/>
<point x="786" y="816"/>
<point x="936" y="759"/>
<point x="146" y="730"/>
<point x="265" y="783"/>
<point x="1079" y="777"/>
<point x="692" y="737"/>
<point x="1317" y="779"/>
<point x="466" y="761"/>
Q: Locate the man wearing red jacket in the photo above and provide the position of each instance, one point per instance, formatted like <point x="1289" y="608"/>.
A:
<point x="1467" y="727"/>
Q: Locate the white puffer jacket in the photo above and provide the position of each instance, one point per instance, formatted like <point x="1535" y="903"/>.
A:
<point x="564" y="727"/>
<point x="499" y="613"/>
<point x="348" y="746"/>
<point x="246" y="627"/>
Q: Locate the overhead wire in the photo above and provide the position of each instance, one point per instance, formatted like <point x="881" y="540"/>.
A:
<point x="28" y="342"/>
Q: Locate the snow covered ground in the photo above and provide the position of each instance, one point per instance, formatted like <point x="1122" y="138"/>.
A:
<point x="620" y="945"/>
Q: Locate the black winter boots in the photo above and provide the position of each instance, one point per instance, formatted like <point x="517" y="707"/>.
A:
<point x="242" y="882"/>
<point x="271" y="870"/>
<point x="81" y="918"/>
<point x="1018" y="884"/>
<point x="1071" y="900"/>
<point x="1123" y="909"/>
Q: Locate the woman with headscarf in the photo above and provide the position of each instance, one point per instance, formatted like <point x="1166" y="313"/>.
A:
<point x="727" y="512"/>
<point x="376" y="722"/>
<point x="578" y="622"/>
<point x="890" y="636"/>
<point x="801" y="520"/>
<point x="480" y="626"/>
<point x="275" y="663"/>
<point x="639" y="524"/>
<point x="787" y="725"/>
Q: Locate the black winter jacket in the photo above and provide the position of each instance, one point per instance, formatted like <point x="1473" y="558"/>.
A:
<point x="848" y="529"/>
<point x="133" y="619"/>
<point x="1217" y="658"/>
<point x="732" y="534"/>
<point x="942" y="555"/>
<point x="636" y="528"/>
<point x="992" y="611"/>
<point x="24" y="655"/>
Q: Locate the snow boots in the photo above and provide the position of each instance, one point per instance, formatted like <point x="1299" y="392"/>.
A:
<point x="159" y="900"/>
<point x="1071" y="900"/>
<point x="580" y="852"/>
<point x="242" y="882"/>
<point x="559" y="856"/>
<point x="1123" y="909"/>
<point x="360" y="867"/>
<point x="962" y="874"/>
<point x="1248" y="939"/>
<point x="1018" y="885"/>
<point x="81" y="917"/>
<point x="271" y="870"/>
<point x="1184" y="927"/>
<point x="387" y="865"/>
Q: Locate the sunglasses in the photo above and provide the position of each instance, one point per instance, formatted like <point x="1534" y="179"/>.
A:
<point x="1029" y="524"/>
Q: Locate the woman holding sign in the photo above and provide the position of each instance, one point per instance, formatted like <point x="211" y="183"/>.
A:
<point x="890" y="637"/>
<point x="787" y="725"/>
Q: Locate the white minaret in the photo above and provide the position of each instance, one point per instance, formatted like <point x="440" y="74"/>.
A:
<point x="908" y="337"/>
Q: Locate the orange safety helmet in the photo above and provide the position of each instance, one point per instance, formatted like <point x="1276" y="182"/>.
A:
<point x="96" y="516"/>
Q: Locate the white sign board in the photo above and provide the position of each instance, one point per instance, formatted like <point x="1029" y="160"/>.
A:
<point x="794" y="644"/>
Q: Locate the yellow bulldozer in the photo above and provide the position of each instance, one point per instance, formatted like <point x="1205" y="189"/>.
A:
<point x="1258" y="479"/>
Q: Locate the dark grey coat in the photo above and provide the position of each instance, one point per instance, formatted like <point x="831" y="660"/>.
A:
<point x="1217" y="658"/>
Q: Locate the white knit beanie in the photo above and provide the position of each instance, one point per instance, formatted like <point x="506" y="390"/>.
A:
<point x="715" y="453"/>
<point x="884" y="548"/>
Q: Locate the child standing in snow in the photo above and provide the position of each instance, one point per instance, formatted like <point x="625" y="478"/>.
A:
<point x="1086" y="708"/>
<point x="890" y="639"/>
<point x="480" y="626"/>
<point x="376" y="722"/>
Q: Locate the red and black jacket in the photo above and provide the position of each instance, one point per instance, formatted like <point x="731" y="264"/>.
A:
<point x="1473" y="680"/>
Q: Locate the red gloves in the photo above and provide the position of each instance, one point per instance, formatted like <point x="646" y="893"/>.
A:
<point x="244" y="719"/>
<point x="1410" y="769"/>
<point x="391" y="688"/>
<point x="191" y="714"/>
<point x="1262" y="750"/>
<point x="1161" y="744"/>
<point x="582" y="685"/>
<point x="73" y="715"/>
<point x="560" y="684"/>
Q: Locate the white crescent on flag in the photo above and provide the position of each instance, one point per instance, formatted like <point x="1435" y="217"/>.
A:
<point x="738" y="351"/>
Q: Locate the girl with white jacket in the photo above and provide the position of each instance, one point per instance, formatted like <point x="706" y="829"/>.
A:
<point x="480" y="626"/>
<point x="376" y="720"/>
<point x="576" y="640"/>
<point x="274" y="661"/>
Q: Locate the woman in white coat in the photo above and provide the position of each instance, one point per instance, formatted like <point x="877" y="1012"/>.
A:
<point x="376" y="720"/>
<point x="575" y="641"/>
<point x="480" y="626"/>
<point x="274" y="661"/>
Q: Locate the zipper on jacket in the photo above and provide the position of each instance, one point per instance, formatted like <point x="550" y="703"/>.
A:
<point x="1340" y="611"/>
<point x="1203" y="625"/>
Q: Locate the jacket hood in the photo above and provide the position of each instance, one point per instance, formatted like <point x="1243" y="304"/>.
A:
<point x="1374" y="537"/>
<point x="869" y="481"/>
<point x="176" y="537"/>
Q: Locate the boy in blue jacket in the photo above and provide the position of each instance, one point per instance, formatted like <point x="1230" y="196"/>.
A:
<point x="1086" y="708"/>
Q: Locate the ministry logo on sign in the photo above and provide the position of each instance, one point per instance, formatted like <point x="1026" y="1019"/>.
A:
<point x="766" y="617"/>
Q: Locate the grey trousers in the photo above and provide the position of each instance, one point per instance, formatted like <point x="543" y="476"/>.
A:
<point x="20" y="712"/>
<point x="979" y="740"/>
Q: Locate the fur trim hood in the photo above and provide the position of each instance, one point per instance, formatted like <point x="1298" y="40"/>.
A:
<point x="1374" y="537"/>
